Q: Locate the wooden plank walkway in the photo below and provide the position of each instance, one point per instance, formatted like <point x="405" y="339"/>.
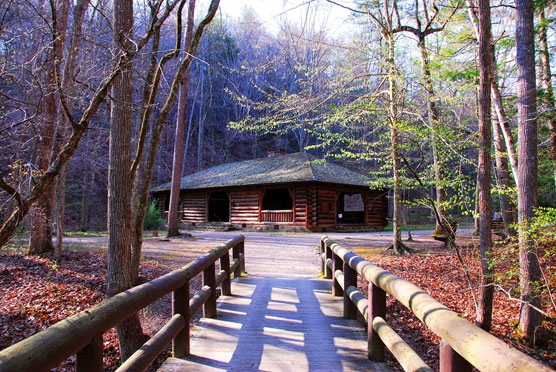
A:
<point x="290" y="323"/>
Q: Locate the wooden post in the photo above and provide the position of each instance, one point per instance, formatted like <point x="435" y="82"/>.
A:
<point x="209" y="278"/>
<point x="338" y="265"/>
<point x="180" y="305"/>
<point x="327" y="271"/>
<point x="377" y="307"/>
<point x="451" y="361"/>
<point x="225" y="265"/>
<point x="241" y="247"/>
<point x="322" y="249"/>
<point x="350" y="279"/>
<point x="89" y="359"/>
<point x="236" y="250"/>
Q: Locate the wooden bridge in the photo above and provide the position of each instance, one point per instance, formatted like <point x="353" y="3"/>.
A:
<point x="280" y="317"/>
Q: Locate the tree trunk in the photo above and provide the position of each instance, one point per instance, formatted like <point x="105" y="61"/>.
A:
<point x="42" y="213"/>
<point x="62" y="131"/>
<point x="486" y="291"/>
<point x="397" y="244"/>
<point x="129" y="332"/>
<point x="142" y="196"/>
<point x="503" y="180"/>
<point x="496" y="96"/>
<point x="200" y="132"/>
<point x="188" y="138"/>
<point x="549" y="91"/>
<point x="432" y="113"/>
<point x="529" y="320"/>
<point x="180" y="129"/>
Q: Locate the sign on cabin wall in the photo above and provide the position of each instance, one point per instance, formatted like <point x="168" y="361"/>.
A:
<point x="353" y="203"/>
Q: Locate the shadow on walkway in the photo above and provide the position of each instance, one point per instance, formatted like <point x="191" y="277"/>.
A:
<point x="277" y="325"/>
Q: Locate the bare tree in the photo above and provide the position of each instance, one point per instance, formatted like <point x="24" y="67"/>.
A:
<point x="42" y="213"/>
<point x="61" y="127"/>
<point x="130" y="334"/>
<point x="142" y="194"/>
<point x="41" y="181"/>
<point x="177" y="163"/>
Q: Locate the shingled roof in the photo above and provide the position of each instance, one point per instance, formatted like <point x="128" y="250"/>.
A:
<point x="280" y="169"/>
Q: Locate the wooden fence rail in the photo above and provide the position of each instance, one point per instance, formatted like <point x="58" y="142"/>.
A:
<point x="81" y="334"/>
<point x="463" y="344"/>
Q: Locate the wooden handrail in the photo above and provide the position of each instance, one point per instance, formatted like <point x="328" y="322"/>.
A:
<point x="476" y="346"/>
<point x="48" y="348"/>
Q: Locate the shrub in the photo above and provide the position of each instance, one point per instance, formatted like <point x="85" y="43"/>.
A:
<point x="153" y="219"/>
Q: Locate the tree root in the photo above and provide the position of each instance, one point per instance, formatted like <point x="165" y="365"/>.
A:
<point x="401" y="249"/>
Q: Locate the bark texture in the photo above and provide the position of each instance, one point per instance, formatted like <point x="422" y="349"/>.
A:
<point x="63" y="123"/>
<point x="529" y="320"/>
<point x="179" y="133"/>
<point x="42" y="212"/>
<point x="397" y="243"/>
<point x="486" y="291"/>
<point x="497" y="96"/>
<point x="130" y="334"/>
<point x="507" y="207"/>
<point x="548" y="89"/>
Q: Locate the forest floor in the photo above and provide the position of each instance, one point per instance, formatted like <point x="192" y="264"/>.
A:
<point x="35" y="293"/>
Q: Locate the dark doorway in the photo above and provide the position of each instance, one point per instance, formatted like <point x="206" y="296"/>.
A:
<point x="351" y="209"/>
<point x="219" y="207"/>
<point x="277" y="199"/>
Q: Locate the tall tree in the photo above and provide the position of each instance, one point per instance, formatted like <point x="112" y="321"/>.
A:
<point x="142" y="193"/>
<point x="61" y="128"/>
<point x="548" y="88"/>
<point x="529" y="319"/>
<point x="130" y="334"/>
<point x="23" y="201"/>
<point x="421" y="31"/>
<point x="486" y="291"/>
<point x="177" y="163"/>
<point x="42" y="213"/>
<point x="503" y="120"/>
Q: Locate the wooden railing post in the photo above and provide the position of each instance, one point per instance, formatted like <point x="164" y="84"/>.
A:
<point x="350" y="279"/>
<point x="209" y="278"/>
<point x="451" y="361"/>
<point x="180" y="305"/>
<point x="225" y="265"/>
<point x="322" y="249"/>
<point x="238" y="249"/>
<point x="89" y="359"/>
<point x="377" y="307"/>
<point x="338" y="265"/>
<point x="328" y="256"/>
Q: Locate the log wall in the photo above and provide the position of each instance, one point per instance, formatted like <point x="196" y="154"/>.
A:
<point x="194" y="207"/>
<point x="314" y="206"/>
<point x="376" y="208"/>
<point x="300" y="204"/>
<point x="244" y="207"/>
<point x="326" y="208"/>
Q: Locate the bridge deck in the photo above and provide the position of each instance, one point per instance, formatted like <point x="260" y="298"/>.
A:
<point x="290" y="323"/>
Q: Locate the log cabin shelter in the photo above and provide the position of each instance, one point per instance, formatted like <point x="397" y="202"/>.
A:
<point x="289" y="192"/>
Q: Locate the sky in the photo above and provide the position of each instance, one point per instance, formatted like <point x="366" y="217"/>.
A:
<point x="272" y="11"/>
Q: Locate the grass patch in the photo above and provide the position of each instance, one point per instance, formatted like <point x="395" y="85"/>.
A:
<point x="85" y="233"/>
<point x="430" y="226"/>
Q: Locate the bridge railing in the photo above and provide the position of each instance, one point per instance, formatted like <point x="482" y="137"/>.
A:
<point x="463" y="344"/>
<point x="81" y="334"/>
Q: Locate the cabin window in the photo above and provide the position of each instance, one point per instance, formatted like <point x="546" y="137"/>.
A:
<point x="219" y="207"/>
<point x="351" y="208"/>
<point x="277" y="199"/>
